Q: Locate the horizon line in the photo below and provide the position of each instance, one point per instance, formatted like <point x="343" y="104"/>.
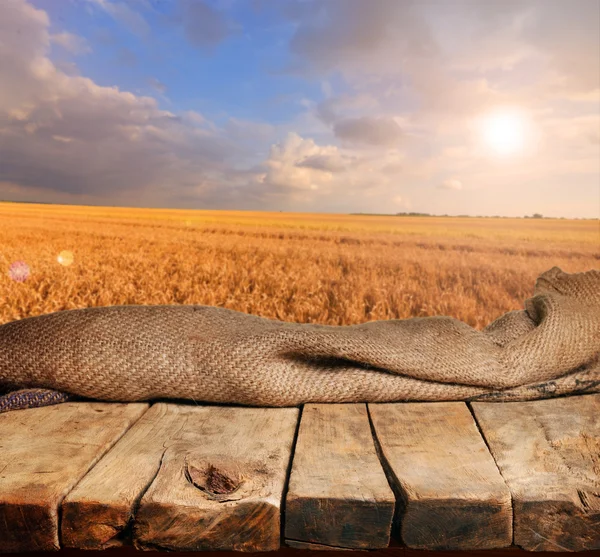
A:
<point x="534" y="216"/>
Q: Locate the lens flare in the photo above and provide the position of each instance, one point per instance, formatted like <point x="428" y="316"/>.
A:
<point x="65" y="258"/>
<point x="19" y="271"/>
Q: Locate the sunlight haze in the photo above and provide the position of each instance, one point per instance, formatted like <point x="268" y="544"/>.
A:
<point x="385" y="106"/>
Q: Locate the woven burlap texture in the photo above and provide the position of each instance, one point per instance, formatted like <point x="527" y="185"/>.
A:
<point x="211" y="354"/>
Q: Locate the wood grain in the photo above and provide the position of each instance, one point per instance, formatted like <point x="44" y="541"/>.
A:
<point x="450" y="493"/>
<point x="98" y="513"/>
<point x="220" y="482"/>
<point x="549" y="453"/>
<point x="44" y="452"/>
<point x="338" y="493"/>
<point x="315" y="546"/>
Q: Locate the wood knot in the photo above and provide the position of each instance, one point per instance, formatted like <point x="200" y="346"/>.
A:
<point x="217" y="482"/>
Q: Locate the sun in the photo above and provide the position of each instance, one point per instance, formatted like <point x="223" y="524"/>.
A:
<point x="505" y="132"/>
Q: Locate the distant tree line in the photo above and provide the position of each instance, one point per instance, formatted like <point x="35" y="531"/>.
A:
<point x="413" y="214"/>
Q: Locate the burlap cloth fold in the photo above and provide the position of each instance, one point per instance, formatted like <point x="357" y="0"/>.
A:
<point x="211" y="354"/>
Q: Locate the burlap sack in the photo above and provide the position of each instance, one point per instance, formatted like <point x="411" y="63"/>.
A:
<point x="211" y="354"/>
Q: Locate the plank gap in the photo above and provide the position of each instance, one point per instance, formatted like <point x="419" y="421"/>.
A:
<point x="43" y="471"/>
<point x="286" y="485"/>
<point x="451" y="495"/>
<point x="203" y="510"/>
<point x="100" y="512"/>
<point x="126" y="535"/>
<point x="93" y="465"/>
<point x="338" y="493"/>
<point x="487" y="444"/>
<point x="393" y="481"/>
<point x="548" y="452"/>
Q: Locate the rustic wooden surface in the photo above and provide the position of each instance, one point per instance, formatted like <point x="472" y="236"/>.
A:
<point x="180" y="476"/>
<point x="98" y="513"/>
<point x="220" y="482"/>
<point x="549" y="453"/>
<point x="450" y="492"/>
<point x="338" y="495"/>
<point x="394" y="550"/>
<point x="44" y="452"/>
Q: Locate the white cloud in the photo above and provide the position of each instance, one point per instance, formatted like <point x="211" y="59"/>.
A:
<point x="286" y="166"/>
<point x="300" y="174"/>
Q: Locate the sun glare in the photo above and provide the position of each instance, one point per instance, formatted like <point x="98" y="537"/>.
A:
<point x="505" y="132"/>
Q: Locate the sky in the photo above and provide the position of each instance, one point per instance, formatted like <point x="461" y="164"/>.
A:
<point x="476" y="107"/>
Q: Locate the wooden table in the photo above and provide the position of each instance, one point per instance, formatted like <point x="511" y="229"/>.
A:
<point x="185" y="477"/>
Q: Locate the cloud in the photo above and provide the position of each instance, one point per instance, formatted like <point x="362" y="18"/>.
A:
<point x="435" y="68"/>
<point x="451" y="184"/>
<point x="356" y="36"/>
<point x="333" y="162"/>
<point x="125" y="15"/>
<point x="366" y="130"/>
<point x="381" y="37"/>
<point x="289" y="165"/>
<point x="396" y="90"/>
<point x="412" y="53"/>
<point x="70" y="42"/>
<point x="68" y="135"/>
<point x="157" y="85"/>
<point x="329" y="110"/>
<point x="300" y="174"/>
<point x="576" y="132"/>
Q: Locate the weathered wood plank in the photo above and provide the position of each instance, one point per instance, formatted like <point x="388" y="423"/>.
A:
<point x="315" y="546"/>
<point x="338" y="493"/>
<point x="549" y="454"/>
<point x="449" y="490"/>
<point x="98" y="512"/>
<point x="220" y="482"/>
<point x="44" y="452"/>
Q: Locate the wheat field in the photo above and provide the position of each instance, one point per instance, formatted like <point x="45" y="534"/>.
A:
<point x="309" y="268"/>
